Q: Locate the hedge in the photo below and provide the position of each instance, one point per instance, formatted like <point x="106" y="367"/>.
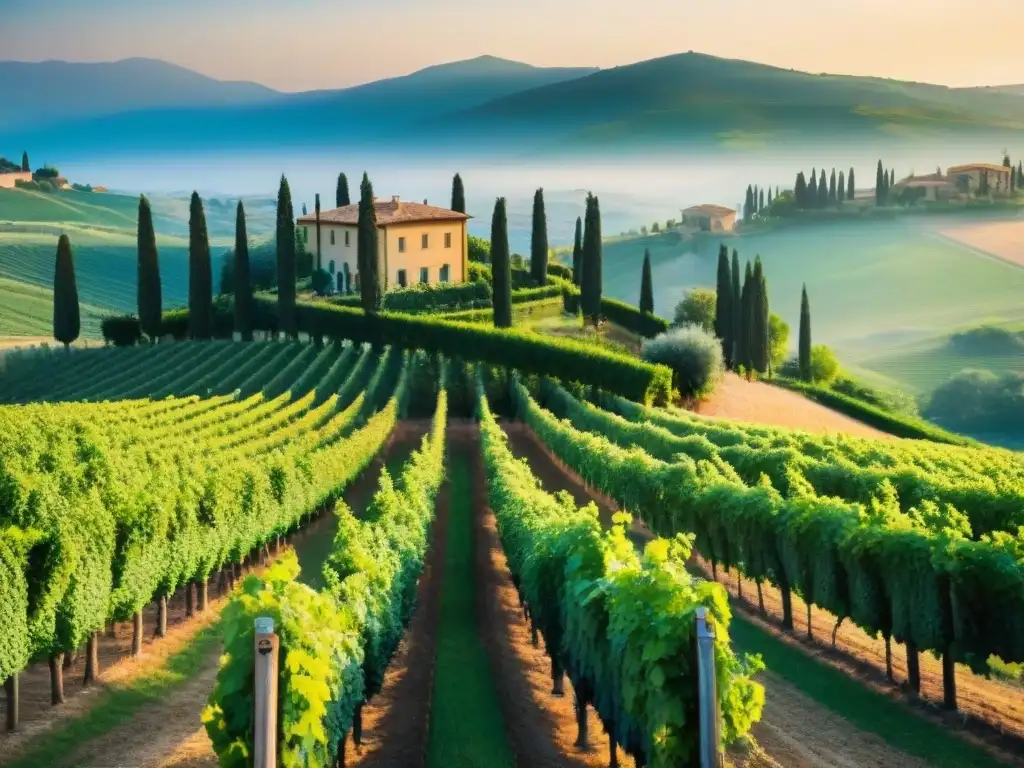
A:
<point x="619" y="312"/>
<point x="121" y="331"/>
<point x="548" y="307"/>
<point x="527" y="352"/>
<point x="894" y="424"/>
<point x="424" y="297"/>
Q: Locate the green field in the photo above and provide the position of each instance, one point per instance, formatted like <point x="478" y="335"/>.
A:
<point x="872" y="288"/>
<point x="27" y="310"/>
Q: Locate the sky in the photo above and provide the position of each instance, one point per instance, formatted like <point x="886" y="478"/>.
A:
<point x="294" y="45"/>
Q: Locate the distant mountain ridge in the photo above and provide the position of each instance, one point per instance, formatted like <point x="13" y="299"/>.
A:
<point x="489" y="104"/>
<point x="39" y="93"/>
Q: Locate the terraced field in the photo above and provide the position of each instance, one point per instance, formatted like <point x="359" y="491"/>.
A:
<point x="398" y="521"/>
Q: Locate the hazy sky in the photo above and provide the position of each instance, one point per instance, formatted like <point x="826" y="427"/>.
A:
<point x="306" y="44"/>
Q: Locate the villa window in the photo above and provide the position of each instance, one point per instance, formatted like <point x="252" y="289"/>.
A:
<point x="447" y="239"/>
<point x="401" y="245"/>
<point x="401" y="278"/>
<point x="426" y="242"/>
<point x="330" y="266"/>
<point x="444" y="278"/>
<point x="332" y="237"/>
<point x="346" y="238"/>
<point x="424" y="274"/>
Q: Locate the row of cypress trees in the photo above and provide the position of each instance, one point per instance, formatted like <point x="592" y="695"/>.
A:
<point x="825" y="191"/>
<point x="884" y="181"/>
<point x="742" y="313"/>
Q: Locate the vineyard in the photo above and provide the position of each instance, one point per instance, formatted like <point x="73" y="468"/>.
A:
<point x="353" y="483"/>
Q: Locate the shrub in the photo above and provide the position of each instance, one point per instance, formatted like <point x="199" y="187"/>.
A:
<point x="47" y="187"/>
<point x="980" y="401"/>
<point x="693" y="354"/>
<point x="824" y="365"/>
<point x="479" y="250"/>
<point x="632" y="319"/>
<point x="122" y="331"/>
<point x="24" y="184"/>
<point x="892" y="400"/>
<point x="560" y="270"/>
<point x="697" y="308"/>
<point x="321" y="281"/>
<point x="987" y="340"/>
<point x="426" y="298"/>
<point x="479" y="271"/>
<point x="778" y="340"/>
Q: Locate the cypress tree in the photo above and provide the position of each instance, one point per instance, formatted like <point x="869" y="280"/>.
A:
<point x="148" y="293"/>
<point x="371" y="288"/>
<point x="748" y="204"/>
<point x="823" y="190"/>
<point x="24" y="162"/>
<point x="200" y="273"/>
<point x="243" y="286"/>
<point x="319" y="253"/>
<point x="1008" y="163"/>
<point x="1020" y="174"/>
<point x="646" y="285"/>
<point x="736" y="325"/>
<point x="539" y="240"/>
<point x="812" y="189"/>
<point x="745" y="336"/>
<point x="286" y="260"/>
<point x="892" y="179"/>
<point x="851" y="187"/>
<point x="67" y="321"/>
<point x="833" y="195"/>
<point x="760" y="200"/>
<point x="590" y="297"/>
<point x="459" y="195"/>
<point x="879" y="184"/>
<point x="841" y="189"/>
<point x="341" y="198"/>
<point x="723" y="304"/>
<point x="304" y="211"/>
<point x="577" y="253"/>
<point x="760" y="352"/>
<point x="804" y="350"/>
<point x="800" y="190"/>
<point x="769" y="197"/>
<point x="501" y="267"/>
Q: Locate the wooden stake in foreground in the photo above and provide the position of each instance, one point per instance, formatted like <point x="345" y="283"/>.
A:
<point x="267" y="647"/>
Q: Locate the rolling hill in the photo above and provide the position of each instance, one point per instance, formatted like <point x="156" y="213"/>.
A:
<point x="384" y="107"/>
<point x="491" y="104"/>
<point x="35" y="94"/>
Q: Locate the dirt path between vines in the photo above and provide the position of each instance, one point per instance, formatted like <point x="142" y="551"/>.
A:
<point x="795" y="730"/>
<point x="991" y="711"/>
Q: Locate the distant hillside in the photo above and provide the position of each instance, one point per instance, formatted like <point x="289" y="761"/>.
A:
<point x="385" y="107"/>
<point x="35" y="94"/>
<point x="1016" y="90"/>
<point x="693" y="96"/>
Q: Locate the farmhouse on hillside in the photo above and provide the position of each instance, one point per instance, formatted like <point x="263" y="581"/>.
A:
<point x="416" y="243"/>
<point x="930" y="187"/>
<point x="9" y="180"/>
<point x="968" y="178"/>
<point x="709" y="218"/>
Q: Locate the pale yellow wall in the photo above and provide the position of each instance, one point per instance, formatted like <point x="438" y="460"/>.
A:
<point x="7" y="179"/>
<point x="996" y="180"/>
<point x="414" y="257"/>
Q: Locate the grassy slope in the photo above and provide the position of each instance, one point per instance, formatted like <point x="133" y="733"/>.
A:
<point x="27" y="310"/>
<point x="871" y="288"/>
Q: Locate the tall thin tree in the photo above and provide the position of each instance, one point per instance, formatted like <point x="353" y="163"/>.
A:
<point x="823" y="190"/>
<point x="748" y="204"/>
<point x="341" y="197"/>
<point x="760" y="347"/>
<point x="841" y="188"/>
<point x="200" y="273"/>
<point x="501" y="266"/>
<point x="745" y="337"/>
<point x="242" y="279"/>
<point x="851" y="185"/>
<point x="590" y="297"/>
<point x="800" y="190"/>
<point x="577" y="253"/>
<point x="319" y="252"/>
<point x="286" y="260"/>
<point x="67" y="322"/>
<point x="539" y="240"/>
<point x="371" y="288"/>
<point x="833" y="194"/>
<point x="880" y="179"/>
<point x="804" y="349"/>
<point x="25" y="167"/>
<point x="812" y="189"/>
<point x="458" y="194"/>
<point x="148" y="289"/>
<point x="723" y="304"/>
<point x="736" y="327"/>
<point x="646" y="285"/>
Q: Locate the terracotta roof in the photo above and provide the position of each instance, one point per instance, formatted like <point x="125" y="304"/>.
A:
<point x="977" y="167"/>
<point x="709" y="209"/>
<point x="393" y="211"/>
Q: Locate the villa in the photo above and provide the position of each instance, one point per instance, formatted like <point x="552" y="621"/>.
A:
<point x="968" y="177"/>
<point x="416" y="243"/>
<point x="709" y="218"/>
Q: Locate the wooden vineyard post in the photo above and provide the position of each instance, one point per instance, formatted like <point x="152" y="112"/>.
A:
<point x="267" y="647"/>
<point x="711" y="755"/>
